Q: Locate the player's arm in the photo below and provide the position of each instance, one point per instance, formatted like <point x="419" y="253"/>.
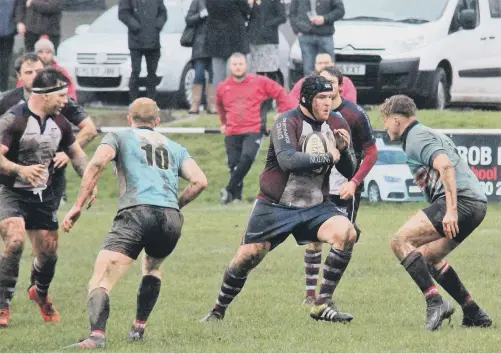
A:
<point x="77" y="115"/>
<point x="191" y="172"/>
<point x="276" y="91"/>
<point x="284" y="137"/>
<point x="87" y="132"/>
<point x="103" y="155"/>
<point x="347" y="163"/>
<point x="369" y="146"/>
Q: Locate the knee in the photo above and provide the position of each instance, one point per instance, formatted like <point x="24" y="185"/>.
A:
<point x="14" y="246"/>
<point x="340" y="235"/>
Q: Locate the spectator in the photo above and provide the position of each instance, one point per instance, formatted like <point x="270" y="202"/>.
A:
<point x="265" y="17"/>
<point x="145" y="20"/>
<point x="197" y="17"/>
<point x="44" y="48"/>
<point x="10" y="12"/>
<point x="238" y="101"/>
<point x="42" y="17"/>
<point x="226" y="33"/>
<point x="347" y="89"/>
<point x="313" y="22"/>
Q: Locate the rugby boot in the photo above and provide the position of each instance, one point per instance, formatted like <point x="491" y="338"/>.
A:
<point x="137" y="332"/>
<point x="94" y="341"/>
<point x="49" y="312"/>
<point x="4" y="317"/>
<point x="475" y="317"/>
<point x="213" y="316"/>
<point x="436" y="312"/>
<point x="329" y="312"/>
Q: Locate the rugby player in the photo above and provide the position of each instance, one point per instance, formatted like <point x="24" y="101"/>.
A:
<point x="31" y="133"/>
<point x="457" y="207"/>
<point x="293" y="199"/>
<point x="148" y="166"/>
<point x="346" y="194"/>
<point x="27" y="67"/>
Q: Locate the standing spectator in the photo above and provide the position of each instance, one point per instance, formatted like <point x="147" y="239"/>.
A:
<point x="44" y="48"/>
<point x="313" y="22"/>
<point x="10" y="12"/>
<point x="347" y="88"/>
<point x="226" y="33"/>
<point x="197" y="17"/>
<point x="42" y="17"/>
<point x="239" y="100"/>
<point x="265" y="17"/>
<point x="144" y="19"/>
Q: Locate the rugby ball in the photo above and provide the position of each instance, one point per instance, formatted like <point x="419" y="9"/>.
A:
<point x="315" y="143"/>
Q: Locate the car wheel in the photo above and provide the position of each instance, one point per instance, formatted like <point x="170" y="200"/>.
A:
<point x="373" y="193"/>
<point x="185" y="86"/>
<point x="439" y="95"/>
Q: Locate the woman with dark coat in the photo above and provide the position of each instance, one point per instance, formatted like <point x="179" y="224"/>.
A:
<point x="226" y="33"/>
<point x="197" y="17"/>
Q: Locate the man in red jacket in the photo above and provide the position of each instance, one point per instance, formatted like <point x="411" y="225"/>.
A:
<point x="238" y="101"/>
<point x="347" y="89"/>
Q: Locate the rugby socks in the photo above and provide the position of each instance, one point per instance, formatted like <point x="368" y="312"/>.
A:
<point x="9" y="272"/>
<point x="449" y="280"/>
<point x="312" y="261"/>
<point x="418" y="270"/>
<point x="232" y="285"/>
<point x="98" y="307"/>
<point x="334" y="267"/>
<point x="42" y="275"/>
<point x="147" y="296"/>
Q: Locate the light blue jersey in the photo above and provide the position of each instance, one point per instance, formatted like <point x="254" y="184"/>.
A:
<point x="147" y="165"/>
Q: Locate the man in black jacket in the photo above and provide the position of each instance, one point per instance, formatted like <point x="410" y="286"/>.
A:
<point x="313" y="22"/>
<point x="144" y="19"/>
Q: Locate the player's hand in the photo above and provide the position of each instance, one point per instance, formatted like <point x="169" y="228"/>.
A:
<point x="28" y="3"/>
<point x="343" y="139"/>
<point x="61" y="159"/>
<point x="222" y="129"/>
<point x="21" y="29"/>
<point x="450" y="224"/>
<point x="34" y="174"/>
<point x="331" y="146"/>
<point x="71" y="218"/>
<point x="348" y="190"/>
<point x="92" y="198"/>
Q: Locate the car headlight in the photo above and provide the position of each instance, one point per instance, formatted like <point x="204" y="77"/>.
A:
<point x="391" y="179"/>
<point x="409" y="44"/>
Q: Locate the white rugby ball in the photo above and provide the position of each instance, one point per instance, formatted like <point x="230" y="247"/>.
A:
<point x="315" y="143"/>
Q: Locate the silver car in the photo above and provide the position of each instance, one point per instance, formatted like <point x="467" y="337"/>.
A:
<point x="97" y="56"/>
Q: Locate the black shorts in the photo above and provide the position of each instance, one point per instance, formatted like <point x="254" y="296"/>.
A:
<point x="37" y="215"/>
<point x="59" y="184"/>
<point x="349" y="206"/>
<point x="153" y="228"/>
<point x="471" y="213"/>
<point x="273" y="223"/>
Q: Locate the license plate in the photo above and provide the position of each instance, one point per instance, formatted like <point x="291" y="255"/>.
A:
<point x="98" y="71"/>
<point x="414" y="189"/>
<point x="351" y="69"/>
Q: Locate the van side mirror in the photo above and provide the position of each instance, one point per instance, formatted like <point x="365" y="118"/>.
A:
<point x="468" y="19"/>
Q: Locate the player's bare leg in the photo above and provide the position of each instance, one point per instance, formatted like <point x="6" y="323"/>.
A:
<point x="147" y="295"/>
<point x="247" y="258"/>
<point x="312" y="263"/>
<point x="13" y="234"/>
<point x="45" y="244"/>
<point x="110" y="266"/>
<point x="434" y="254"/>
<point x="339" y="232"/>
<point x="416" y="232"/>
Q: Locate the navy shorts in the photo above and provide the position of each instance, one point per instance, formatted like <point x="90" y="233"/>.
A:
<point x="155" y="229"/>
<point x="273" y="223"/>
<point x="471" y="213"/>
<point x="37" y="215"/>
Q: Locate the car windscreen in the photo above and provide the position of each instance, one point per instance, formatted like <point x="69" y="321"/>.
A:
<point x="408" y="11"/>
<point x="391" y="157"/>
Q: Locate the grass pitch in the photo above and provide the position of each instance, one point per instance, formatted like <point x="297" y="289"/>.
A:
<point x="267" y="316"/>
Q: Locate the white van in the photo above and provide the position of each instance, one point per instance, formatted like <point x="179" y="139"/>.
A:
<point x="436" y="51"/>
